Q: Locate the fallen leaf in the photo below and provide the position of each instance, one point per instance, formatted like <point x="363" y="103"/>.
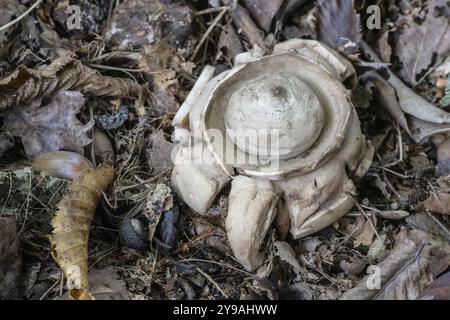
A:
<point x="71" y="224"/>
<point x="136" y="23"/>
<point x="159" y="153"/>
<point x="423" y="119"/>
<point x="438" y="290"/>
<point x="384" y="47"/>
<point x="51" y="127"/>
<point x="10" y="260"/>
<point x="229" y="43"/>
<point x="416" y="259"/>
<point x="211" y="235"/>
<point x="425" y="222"/>
<point x="377" y="247"/>
<point x="420" y="46"/>
<point x="445" y="101"/>
<point x="105" y="284"/>
<point x="6" y="142"/>
<point x="338" y="25"/>
<point x="162" y="65"/>
<point x="65" y="73"/>
<point x="157" y="202"/>
<point x="249" y="29"/>
<point x="263" y="14"/>
<point x="352" y="266"/>
<point x="284" y="251"/>
<point x="438" y="202"/>
<point x="360" y="229"/>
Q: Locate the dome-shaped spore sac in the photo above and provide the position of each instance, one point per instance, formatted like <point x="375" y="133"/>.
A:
<point x="274" y="109"/>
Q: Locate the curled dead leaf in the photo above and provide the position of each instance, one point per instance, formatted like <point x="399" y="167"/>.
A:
<point x="71" y="224"/>
<point x="413" y="263"/>
<point x="65" y="73"/>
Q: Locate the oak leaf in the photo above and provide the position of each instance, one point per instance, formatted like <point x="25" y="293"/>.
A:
<point x="422" y="45"/>
<point x="51" y="127"/>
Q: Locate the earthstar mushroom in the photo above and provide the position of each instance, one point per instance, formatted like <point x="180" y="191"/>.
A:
<point x="283" y="130"/>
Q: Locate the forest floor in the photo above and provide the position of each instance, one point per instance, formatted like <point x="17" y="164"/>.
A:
<point x="163" y="46"/>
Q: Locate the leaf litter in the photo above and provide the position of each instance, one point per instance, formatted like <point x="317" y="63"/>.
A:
<point x="125" y="73"/>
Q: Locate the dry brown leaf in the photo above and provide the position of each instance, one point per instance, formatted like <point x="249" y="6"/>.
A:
<point x="438" y="290"/>
<point x="162" y="63"/>
<point x="415" y="261"/>
<point x="438" y="202"/>
<point x="65" y="73"/>
<point x="421" y="45"/>
<point x="10" y="260"/>
<point x="51" y="127"/>
<point x="338" y="25"/>
<point x="71" y="224"/>
<point x="423" y="118"/>
<point x="361" y="229"/>
<point x="249" y="29"/>
<point x="263" y="14"/>
<point x="105" y="284"/>
<point x="384" y="47"/>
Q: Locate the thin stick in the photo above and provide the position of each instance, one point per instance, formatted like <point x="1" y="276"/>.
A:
<point x="23" y="15"/>
<point x="208" y="31"/>
<point x="210" y="10"/>
<point x="360" y="209"/>
<point x="208" y="277"/>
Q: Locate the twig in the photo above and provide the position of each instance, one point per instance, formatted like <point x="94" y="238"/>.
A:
<point x="23" y="15"/>
<point x="218" y="263"/>
<point x="210" y="10"/>
<point x="208" y="31"/>
<point x="368" y="219"/>
<point x="394" y="172"/>
<point x="101" y="66"/>
<point x="208" y="277"/>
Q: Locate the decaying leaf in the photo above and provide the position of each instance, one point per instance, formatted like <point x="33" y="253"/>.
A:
<point x="65" y="73"/>
<point x="105" y="284"/>
<point x="423" y="119"/>
<point x="51" y="127"/>
<point x="159" y="153"/>
<point x="421" y="45"/>
<point x="250" y="30"/>
<point x="159" y="201"/>
<point x="284" y="251"/>
<point x="413" y="263"/>
<point x="162" y="64"/>
<point x="10" y="260"/>
<point x="71" y="224"/>
<point x="438" y="290"/>
<point x="263" y="14"/>
<point x="428" y="223"/>
<point x="438" y="202"/>
<point x="136" y="23"/>
<point x="338" y="25"/>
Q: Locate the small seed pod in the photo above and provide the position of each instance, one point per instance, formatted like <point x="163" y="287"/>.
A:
<point x="132" y="233"/>
<point x="103" y="148"/>
<point x="62" y="164"/>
